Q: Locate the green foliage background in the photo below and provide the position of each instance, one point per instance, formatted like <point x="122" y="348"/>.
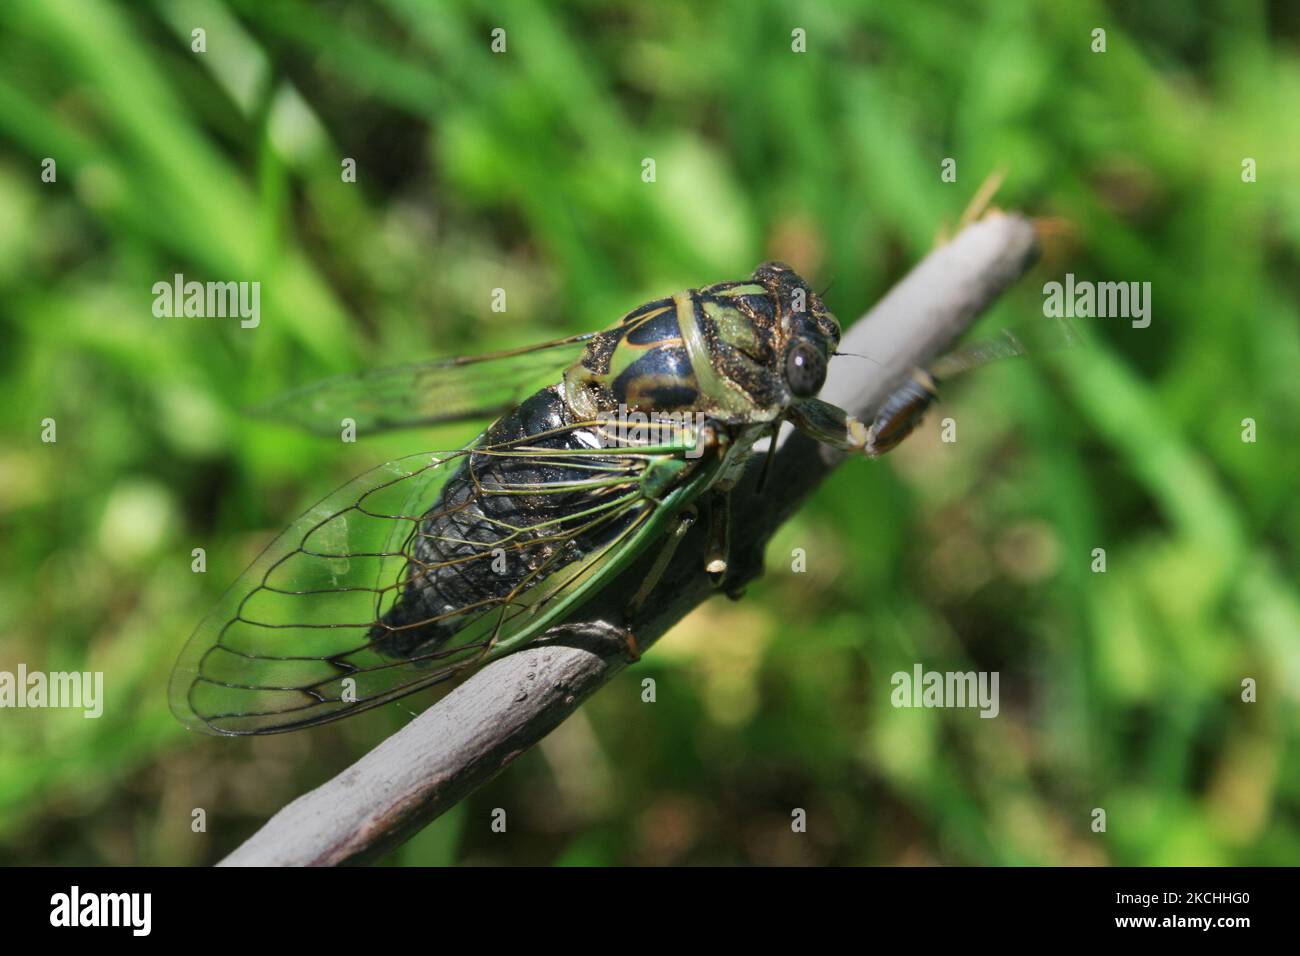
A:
<point x="522" y="171"/>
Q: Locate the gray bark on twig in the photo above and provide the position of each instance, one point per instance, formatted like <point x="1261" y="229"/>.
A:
<point x="474" y="732"/>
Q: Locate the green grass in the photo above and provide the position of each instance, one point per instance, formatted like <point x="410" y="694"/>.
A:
<point x="523" y="171"/>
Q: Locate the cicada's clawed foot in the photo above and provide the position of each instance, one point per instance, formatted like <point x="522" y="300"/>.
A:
<point x="629" y="642"/>
<point x="624" y="639"/>
<point x="716" y="569"/>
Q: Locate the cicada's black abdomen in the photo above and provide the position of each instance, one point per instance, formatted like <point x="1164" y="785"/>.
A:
<point x="455" y="562"/>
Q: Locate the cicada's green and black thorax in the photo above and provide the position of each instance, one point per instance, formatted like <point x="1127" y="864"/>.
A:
<point x="719" y="351"/>
<point x="722" y="352"/>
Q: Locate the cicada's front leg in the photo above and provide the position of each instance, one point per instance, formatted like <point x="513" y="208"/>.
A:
<point x="898" y="415"/>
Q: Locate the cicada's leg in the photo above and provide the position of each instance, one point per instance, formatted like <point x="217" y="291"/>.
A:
<point x="898" y="415"/>
<point x="830" y="425"/>
<point x="684" y="522"/>
<point x="767" y="459"/>
<point x="718" y="549"/>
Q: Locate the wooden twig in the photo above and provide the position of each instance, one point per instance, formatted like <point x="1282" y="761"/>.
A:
<point x="475" y="731"/>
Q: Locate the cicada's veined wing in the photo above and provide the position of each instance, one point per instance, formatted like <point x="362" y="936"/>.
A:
<point x="442" y="390"/>
<point x="416" y="572"/>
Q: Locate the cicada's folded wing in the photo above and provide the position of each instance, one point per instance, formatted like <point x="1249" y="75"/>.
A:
<point x="411" y="574"/>
<point x="442" y="390"/>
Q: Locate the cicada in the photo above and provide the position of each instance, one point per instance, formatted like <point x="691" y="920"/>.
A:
<point x="433" y="564"/>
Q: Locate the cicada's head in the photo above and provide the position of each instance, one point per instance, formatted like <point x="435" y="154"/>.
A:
<point x="805" y="333"/>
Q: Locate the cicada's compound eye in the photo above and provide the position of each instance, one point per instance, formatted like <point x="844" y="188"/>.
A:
<point x="805" y="368"/>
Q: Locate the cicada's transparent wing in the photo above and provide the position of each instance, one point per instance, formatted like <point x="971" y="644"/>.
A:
<point x="409" y="575"/>
<point x="1025" y="338"/>
<point x="443" y="390"/>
